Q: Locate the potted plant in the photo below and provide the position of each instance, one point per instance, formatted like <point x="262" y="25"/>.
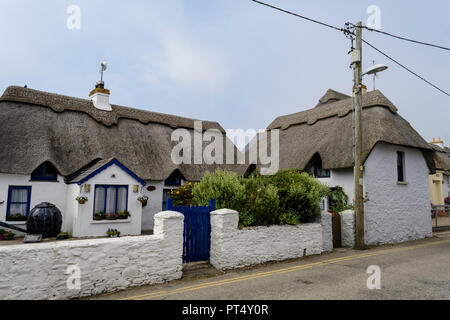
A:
<point x="143" y="200"/>
<point x="111" y="216"/>
<point x="99" y="215"/>
<point x="113" y="233"/>
<point x="1" y="234"/>
<point x="81" y="200"/>
<point x="8" y="235"/>
<point x="62" y="236"/>
<point x="123" y="215"/>
<point x="16" y="217"/>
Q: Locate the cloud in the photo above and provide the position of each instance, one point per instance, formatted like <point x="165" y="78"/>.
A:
<point x="192" y="63"/>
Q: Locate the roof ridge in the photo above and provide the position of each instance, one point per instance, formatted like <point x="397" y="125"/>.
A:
<point x="338" y="108"/>
<point x="60" y="103"/>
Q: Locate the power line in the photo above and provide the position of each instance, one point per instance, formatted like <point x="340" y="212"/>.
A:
<point x="406" y="68"/>
<point x="299" y="16"/>
<point x="406" y="39"/>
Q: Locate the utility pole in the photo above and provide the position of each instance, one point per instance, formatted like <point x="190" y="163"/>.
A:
<point x="358" y="165"/>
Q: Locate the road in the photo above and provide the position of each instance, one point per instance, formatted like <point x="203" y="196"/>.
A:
<point x="413" y="270"/>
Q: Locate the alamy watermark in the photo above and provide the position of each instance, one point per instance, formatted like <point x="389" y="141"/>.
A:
<point x="220" y="150"/>
<point x="374" y="280"/>
<point x="74" y="18"/>
<point x="374" y="19"/>
<point x="73" y="281"/>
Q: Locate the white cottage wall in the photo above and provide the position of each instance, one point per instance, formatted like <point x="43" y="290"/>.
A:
<point x="396" y="212"/>
<point x="41" y="191"/>
<point x="84" y="225"/>
<point x="343" y="178"/>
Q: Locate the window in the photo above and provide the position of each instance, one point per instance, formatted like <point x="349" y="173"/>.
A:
<point x="45" y="172"/>
<point x="110" y="198"/>
<point x="174" y="179"/>
<point x="400" y="166"/>
<point x="18" y="203"/>
<point x="319" y="172"/>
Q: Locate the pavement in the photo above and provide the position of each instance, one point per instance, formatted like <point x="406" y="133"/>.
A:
<point x="412" y="270"/>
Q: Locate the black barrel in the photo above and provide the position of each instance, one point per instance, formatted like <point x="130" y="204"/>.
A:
<point x="45" y="219"/>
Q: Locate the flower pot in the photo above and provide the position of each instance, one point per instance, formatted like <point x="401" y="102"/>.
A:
<point x="81" y="201"/>
<point x="113" y="235"/>
<point x="99" y="218"/>
<point x="144" y="202"/>
<point x="8" y="237"/>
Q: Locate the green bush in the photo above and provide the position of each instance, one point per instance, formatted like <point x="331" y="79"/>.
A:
<point x="299" y="194"/>
<point x="183" y="195"/>
<point x="339" y="200"/>
<point x="226" y="187"/>
<point x="261" y="202"/>
<point x="288" y="197"/>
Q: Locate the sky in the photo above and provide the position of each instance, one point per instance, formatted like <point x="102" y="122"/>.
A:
<point x="231" y="61"/>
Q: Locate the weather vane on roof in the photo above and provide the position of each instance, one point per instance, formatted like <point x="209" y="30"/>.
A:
<point x="104" y="65"/>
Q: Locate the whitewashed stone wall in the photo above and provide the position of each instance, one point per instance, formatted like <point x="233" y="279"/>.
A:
<point x="396" y="212"/>
<point x="233" y="248"/>
<point x="38" y="271"/>
<point x="348" y="228"/>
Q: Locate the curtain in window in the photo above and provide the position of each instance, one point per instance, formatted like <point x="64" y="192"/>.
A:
<point x="122" y="199"/>
<point x="99" y="199"/>
<point x="19" y="195"/>
<point x="111" y="200"/>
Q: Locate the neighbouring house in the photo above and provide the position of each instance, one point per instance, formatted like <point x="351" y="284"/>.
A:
<point x="440" y="181"/>
<point x="397" y="161"/>
<point x="56" y="148"/>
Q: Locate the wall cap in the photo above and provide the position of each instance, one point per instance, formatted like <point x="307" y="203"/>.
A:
<point x="223" y="212"/>
<point x="169" y="215"/>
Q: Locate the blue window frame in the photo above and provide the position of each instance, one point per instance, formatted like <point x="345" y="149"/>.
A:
<point x="18" y="202"/>
<point x="110" y="198"/>
<point x="45" y="172"/>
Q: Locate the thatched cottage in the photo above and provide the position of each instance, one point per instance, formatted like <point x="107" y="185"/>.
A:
<point x="397" y="161"/>
<point x="56" y="148"/>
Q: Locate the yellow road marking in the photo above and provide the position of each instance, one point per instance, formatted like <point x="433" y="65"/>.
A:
<point x="278" y="271"/>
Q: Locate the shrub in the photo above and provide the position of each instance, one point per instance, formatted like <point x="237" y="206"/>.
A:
<point x="299" y="194"/>
<point x="288" y="197"/>
<point x="183" y="195"/>
<point x="339" y="200"/>
<point x="261" y="203"/>
<point x="226" y="187"/>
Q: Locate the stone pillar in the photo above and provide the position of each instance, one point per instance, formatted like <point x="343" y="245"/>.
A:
<point x="169" y="225"/>
<point x="224" y="222"/>
<point x="327" y="232"/>
<point x="348" y="228"/>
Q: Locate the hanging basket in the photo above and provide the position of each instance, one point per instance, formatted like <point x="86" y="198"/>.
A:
<point x="143" y="200"/>
<point x="81" y="200"/>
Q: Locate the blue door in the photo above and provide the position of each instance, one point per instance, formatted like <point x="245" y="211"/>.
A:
<point x="197" y="230"/>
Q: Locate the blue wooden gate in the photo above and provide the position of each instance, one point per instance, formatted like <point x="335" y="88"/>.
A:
<point x="197" y="230"/>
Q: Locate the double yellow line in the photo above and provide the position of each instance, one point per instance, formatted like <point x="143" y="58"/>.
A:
<point x="276" y="272"/>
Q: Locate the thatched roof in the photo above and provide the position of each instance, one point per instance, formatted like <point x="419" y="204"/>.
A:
<point x="441" y="157"/>
<point x="326" y="130"/>
<point x="71" y="133"/>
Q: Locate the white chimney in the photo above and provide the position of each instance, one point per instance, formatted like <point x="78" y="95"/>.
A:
<point x="438" y="142"/>
<point x="100" y="97"/>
